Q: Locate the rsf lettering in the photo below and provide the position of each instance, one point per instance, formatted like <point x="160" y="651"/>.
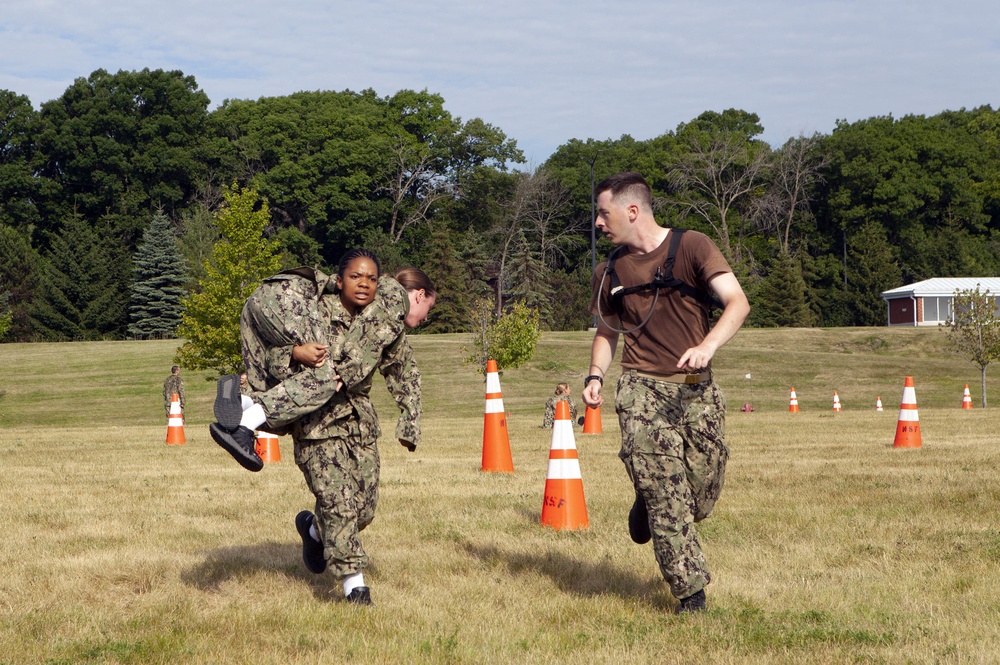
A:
<point x="554" y="502"/>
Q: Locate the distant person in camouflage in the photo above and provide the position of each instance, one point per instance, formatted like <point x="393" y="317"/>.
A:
<point x="562" y="395"/>
<point x="671" y="412"/>
<point x="335" y="431"/>
<point x="173" y="385"/>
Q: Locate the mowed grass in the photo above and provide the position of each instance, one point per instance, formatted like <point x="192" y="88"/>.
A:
<point x="828" y="545"/>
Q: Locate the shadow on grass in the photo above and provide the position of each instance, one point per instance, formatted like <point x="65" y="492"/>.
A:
<point x="245" y="561"/>
<point x="573" y="576"/>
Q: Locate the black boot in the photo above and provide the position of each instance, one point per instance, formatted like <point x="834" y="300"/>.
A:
<point x="638" y="521"/>
<point x="693" y="603"/>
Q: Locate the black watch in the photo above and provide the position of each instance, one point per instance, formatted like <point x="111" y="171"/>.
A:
<point x="586" y="382"/>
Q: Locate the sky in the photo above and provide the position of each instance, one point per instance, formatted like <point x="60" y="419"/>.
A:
<point x="542" y="71"/>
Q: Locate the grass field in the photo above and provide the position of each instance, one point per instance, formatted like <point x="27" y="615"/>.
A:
<point x="828" y="545"/>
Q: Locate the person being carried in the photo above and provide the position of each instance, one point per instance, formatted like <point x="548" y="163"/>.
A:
<point x="562" y="395"/>
<point x="336" y="443"/>
<point x="289" y="368"/>
<point x="173" y="385"/>
<point x="654" y="291"/>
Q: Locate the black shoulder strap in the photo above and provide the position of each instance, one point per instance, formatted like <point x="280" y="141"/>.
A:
<point x="665" y="279"/>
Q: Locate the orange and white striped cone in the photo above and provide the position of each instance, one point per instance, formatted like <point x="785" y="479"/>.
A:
<point x="878" y="404"/>
<point x="908" y="426"/>
<point x="564" y="506"/>
<point x="592" y="420"/>
<point x="496" y="444"/>
<point x="793" y="402"/>
<point x="967" y="398"/>
<point x="836" y="401"/>
<point x="267" y="447"/>
<point x="175" y="422"/>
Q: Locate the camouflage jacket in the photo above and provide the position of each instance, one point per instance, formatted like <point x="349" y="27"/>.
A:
<point x="550" y="409"/>
<point x="394" y="361"/>
<point x="173" y="384"/>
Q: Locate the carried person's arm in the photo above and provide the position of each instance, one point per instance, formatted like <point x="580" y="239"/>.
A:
<point x="402" y="378"/>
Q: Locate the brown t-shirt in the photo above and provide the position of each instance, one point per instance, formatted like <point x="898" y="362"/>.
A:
<point x="677" y="322"/>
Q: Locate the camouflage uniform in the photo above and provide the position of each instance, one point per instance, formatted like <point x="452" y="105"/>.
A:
<point x="335" y="444"/>
<point x="550" y="410"/>
<point x="335" y="447"/>
<point x="173" y="384"/>
<point x="674" y="450"/>
<point x="292" y="308"/>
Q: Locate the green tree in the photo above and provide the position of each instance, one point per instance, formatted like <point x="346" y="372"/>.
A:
<point x="118" y="146"/>
<point x="19" y="188"/>
<point x="158" y="278"/>
<point x="780" y="299"/>
<point x="509" y="339"/>
<point x="974" y="329"/>
<point x="240" y="261"/>
<point x="872" y="269"/>
<point x="84" y="288"/>
<point x="20" y="279"/>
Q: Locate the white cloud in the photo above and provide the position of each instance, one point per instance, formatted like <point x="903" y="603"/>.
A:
<point x="544" y="72"/>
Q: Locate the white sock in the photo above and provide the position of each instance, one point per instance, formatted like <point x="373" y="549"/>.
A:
<point x="253" y="417"/>
<point x="313" y="532"/>
<point x="245" y="402"/>
<point x="352" y="582"/>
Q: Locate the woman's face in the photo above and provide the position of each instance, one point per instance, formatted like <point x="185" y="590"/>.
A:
<point x="420" y="306"/>
<point x="357" y="284"/>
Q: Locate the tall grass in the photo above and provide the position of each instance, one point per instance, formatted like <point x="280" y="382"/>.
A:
<point x="828" y="545"/>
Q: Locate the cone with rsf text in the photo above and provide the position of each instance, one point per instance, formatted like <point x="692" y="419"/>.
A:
<point x="564" y="506"/>
<point x="175" y="422"/>
<point x="496" y="444"/>
<point x="967" y="398"/>
<point x="267" y="447"/>
<point x="793" y="402"/>
<point x="908" y="426"/>
<point x="592" y="420"/>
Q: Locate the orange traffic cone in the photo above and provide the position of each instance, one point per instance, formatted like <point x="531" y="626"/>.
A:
<point x="592" y="420"/>
<point x="496" y="444"/>
<point x="564" y="506"/>
<point x="836" y="401"/>
<point x="267" y="447"/>
<point x="793" y="402"/>
<point x="908" y="426"/>
<point x="175" y="422"/>
<point x="878" y="403"/>
<point x="967" y="398"/>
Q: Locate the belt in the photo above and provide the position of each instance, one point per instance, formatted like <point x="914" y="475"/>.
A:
<point x="675" y="378"/>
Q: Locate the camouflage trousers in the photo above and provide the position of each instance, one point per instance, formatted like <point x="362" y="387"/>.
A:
<point x="342" y="474"/>
<point x="274" y="317"/>
<point x="674" y="450"/>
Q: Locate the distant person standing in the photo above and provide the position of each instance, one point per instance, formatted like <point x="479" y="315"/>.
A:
<point x="245" y="388"/>
<point x="562" y="395"/>
<point x="655" y="291"/>
<point x="173" y="385"/>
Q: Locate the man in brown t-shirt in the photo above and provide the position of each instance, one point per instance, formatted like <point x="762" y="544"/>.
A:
<point x="671" y="412"/>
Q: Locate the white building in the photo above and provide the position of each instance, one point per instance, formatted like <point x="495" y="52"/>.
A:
<point x="929" y="303"/>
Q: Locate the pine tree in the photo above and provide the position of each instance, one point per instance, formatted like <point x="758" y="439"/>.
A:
<point x="873" y="269"/>
<point x="20" y="276"/>
<point x="780" y="298"/>
<point x="158" y="277"/>
<point x="529" y="280"/>
<point x="451" y="312"/>
<point x="84" y="288"/>
<point x="240" y="261"/>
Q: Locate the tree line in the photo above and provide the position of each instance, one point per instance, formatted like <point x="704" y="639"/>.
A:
<point x="111" y="197"/>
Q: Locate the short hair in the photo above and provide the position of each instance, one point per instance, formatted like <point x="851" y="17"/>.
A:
<point x="414" y="279"/>
<point x="629" y="185"/>
<point x="175" y="369"/>
<point x="357" y="253"/>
